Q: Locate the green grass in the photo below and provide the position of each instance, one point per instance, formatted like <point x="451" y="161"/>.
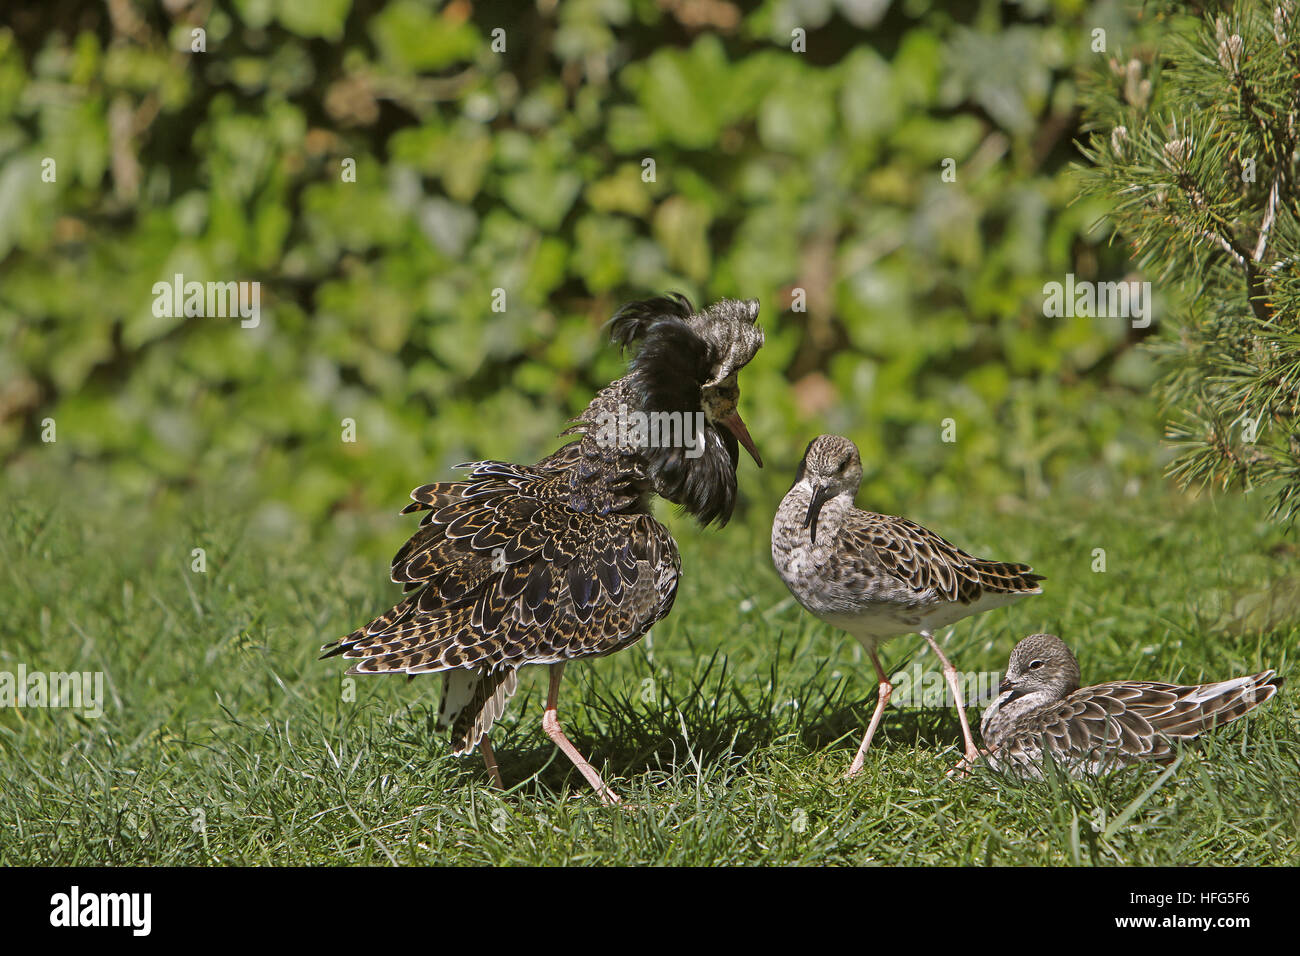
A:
<point x="225" y="741"/>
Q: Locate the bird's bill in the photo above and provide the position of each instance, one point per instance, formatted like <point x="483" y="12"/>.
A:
<point x="819" y="497"/>
<point x="737" y="428"/>
<point x="1004" y="686"/>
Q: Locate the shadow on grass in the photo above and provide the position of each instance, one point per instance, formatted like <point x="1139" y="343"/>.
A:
<point x="678" y="722"/>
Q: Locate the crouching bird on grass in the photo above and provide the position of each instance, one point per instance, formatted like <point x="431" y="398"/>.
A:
<point x="1040" y="710"/>
<point x="548" y="563"/>
<point x="876" y="576"/>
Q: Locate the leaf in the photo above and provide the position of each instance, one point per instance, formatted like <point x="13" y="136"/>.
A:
<point x="410" y="38"/>
<point x="682" y="227"/>
<point x="542" y="195"/>
<point x="317" y="18"/>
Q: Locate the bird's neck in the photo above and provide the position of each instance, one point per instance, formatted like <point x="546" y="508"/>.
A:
<point x="829" y="518"/>
<point x="637" y="452"/>
<point x="1002" y="717"/>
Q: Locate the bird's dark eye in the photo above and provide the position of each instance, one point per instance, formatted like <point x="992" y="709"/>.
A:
<point x="1034" y="665"/>
<point x="843" y="467"/>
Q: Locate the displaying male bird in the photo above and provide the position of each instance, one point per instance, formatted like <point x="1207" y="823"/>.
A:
<point x="1090" y="730"/>
<point x="876" y="576"/>
<point x="548" y="563"/>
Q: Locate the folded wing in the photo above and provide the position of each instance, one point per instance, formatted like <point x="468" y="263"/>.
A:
<point x="1129" y="721"/>
<point x="503" y="572"/>
<point x="923" y="561"/>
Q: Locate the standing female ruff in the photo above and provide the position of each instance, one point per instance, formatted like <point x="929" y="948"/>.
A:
<point x="548" y="563"/>
<point x="876" y="576"/>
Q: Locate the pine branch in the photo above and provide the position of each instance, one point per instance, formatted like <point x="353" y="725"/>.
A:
<point x="1174" y="137"/>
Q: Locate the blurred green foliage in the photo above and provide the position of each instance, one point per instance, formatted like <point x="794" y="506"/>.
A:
<point x="524" y="170"/>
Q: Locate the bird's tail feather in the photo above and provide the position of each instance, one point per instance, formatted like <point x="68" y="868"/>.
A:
<point x="1221" y="703"/>
<point x="488" y="694"/>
